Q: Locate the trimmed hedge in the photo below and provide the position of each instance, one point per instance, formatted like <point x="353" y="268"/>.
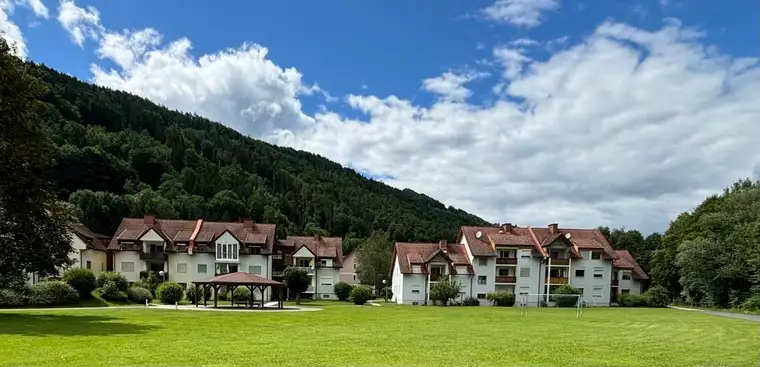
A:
<point x="52" y="293"/>
<point x="342" y="291"/>
<point x="169" y="292"/>
<point x="657" y="296"/>
<point x="242" y="294"/>
<point x="632" y="300"/>
<point x="139" y="294"/>
<point x="119" y="281"/>
<point x="361" y="294"/>
<point x="83" y="280"/>
<point x="470" y="301"/>
<point x="11" y="298"/>
<point x="502" y="299"/>
<point x="110" y="292"/>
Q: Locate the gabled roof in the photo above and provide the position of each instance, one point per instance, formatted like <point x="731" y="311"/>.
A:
<point x="626" y="261"/>
<point x="180" y="231"/>
<point x="587" y="239"/>
<point x="421" y="253"/>
<point x="92" y="240"/>
<point x="240" y="278"/>
<point x="496" y="236"/>
<point x="324" y="247"/>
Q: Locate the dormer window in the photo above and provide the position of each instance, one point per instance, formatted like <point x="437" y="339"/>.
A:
<point x="227" y="251"/>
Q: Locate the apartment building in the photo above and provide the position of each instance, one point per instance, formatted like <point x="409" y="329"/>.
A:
<point x="88" y="251"/>
<point x="526" y="260"/>
<point x="188" y="250"/>
<point x="348" y="272"/>
<point x="627" y="276"/>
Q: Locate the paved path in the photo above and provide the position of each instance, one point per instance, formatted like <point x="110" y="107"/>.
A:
<point x="733" y="315"/>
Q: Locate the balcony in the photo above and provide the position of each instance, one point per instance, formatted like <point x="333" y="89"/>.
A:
<point x="505" y="279"/>
<point x="615" y="282"/>
<point x="506" y="261"/>
<point x="435" y="277"/>
<point x="560" y="262"/>
<point x="308" y="269"/>
<point x="558" y="280"/>
<point x="276" y="257"/>
<point x="153" y="256"/>
<point x="276" y="273"/>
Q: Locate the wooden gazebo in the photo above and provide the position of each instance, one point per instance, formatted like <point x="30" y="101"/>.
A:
<point x="234" y="280"/>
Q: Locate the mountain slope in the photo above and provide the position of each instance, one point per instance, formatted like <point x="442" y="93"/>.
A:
<point x="122" y="155"/>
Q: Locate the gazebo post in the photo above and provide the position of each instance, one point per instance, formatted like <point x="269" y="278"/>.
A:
<point x="216" y="294"/>
<point x="232" y="295"/>
<point x="205" y="287"/>
<point x="196" y="294"/>
<point x="280" y="303"/>
<point x="250" y="298"/>
<point x="262" y="296"/>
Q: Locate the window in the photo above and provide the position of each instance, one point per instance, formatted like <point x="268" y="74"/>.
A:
<point x="598" y="273"/>
<point x="181" y="268"/>
<point x="626" y="276"/>
<point x="254" y="269"/>
<point x="507" y="272"/>
<point x="524" y="272"/>
<point x="354" y="266"/>
<point x="596" y="255"/>
<point x="354" y="277"/>
<point x="127" y="267"/>
<point x="580" y="291"/>
<point x="304" y="263"/>
<point x="481" y="296"/>
<point x="325" y="281"/>
<point x="483" y="261"/>
<point x="325" y="296"/>
<point x="525" y="253"/>
<point x="482" y="279"/>
<point x="597" y="292"/>
<point x="323" y="263"/>
<point x="416" y="289"/>
<point x="202" y="268"/>
<point x="416" y="269"/>
<point x="226" y="251"/>
<point x="625" y="291"/>
<point x="524" y="290"/>
<point x="89" y="264"/>
<point x="580" y="273"/>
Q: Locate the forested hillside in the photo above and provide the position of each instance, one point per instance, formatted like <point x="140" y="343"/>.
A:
<point x="121" y="155"/>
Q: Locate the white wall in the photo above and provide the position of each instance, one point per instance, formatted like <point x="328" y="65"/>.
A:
<point x="398" y="283"/>
<point x="634" y="286"/>
<point x="588" y="282"/>
<point x="128" y="256"/>
<point x="464" y="281"/>
<point x="489" y="271"/>
<point x="413" y="282"/>
<point x="81" y="255"/>
<point x="535" y="284"/>
<point x="328" y="276"/>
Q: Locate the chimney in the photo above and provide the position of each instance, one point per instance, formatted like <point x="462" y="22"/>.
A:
<point x="149" y="220"/>
<point x="248" y="224"/>
<point x="506" y="227"/>
<point x="443" y="245"/>
<point x="553" y="228"/>
<point x="197" y="229"/>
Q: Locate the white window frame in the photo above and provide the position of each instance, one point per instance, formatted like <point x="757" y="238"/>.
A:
<point x="599" y="272"/>
<point x="521" y="272"/>
<point x="592" y="253"/>
<point x="180" y="267"/>
<point x="482" y="261"/>
<point x="597" y="292"/>
<point x="198" y="269"/>
<point x="252" y="268"/>
<point x="131" y="264"/>
<point x="524" y="290"/>
<point x="525" y="253"/>
<point x="481" y="296"/>
<point x="322" y="281"/>
<point x="227" y="252"/>
<point x="482" y="279"/>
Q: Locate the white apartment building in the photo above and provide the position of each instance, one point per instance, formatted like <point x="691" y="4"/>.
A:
<point x="189" y="250"/>
<point x="88" y="252"/>
<point x="627" y="275"/>
<point x="522" y="260"/>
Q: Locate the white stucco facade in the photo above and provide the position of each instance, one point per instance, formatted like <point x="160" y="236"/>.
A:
<point x="128" y="264"/>
<point x="596" y="278"/>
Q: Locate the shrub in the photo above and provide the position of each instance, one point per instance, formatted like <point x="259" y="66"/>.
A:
<point x="151" y="281"/>
<point x="11" y="298"/>
<point x="361" y="294"/>
<point x="502" y="299"/>
<point x="224" y="296"/>
<point x="53" y="293"/>
<point x="343" y="291"/>
<point x="752" y="303"/>
<point x="169" y="292"/>
<point x="444" y="290"/>
<point x="471" y="301"/>
<point x="243" y="294"/>
<point x="190" y="294"/>
<point x="83" y="280"/>
<point x="657" y="296"/>
<point x="138" y="294"/>
<point x="110" y="292"/>
<point x="632" y="300"/>
<point x="119" y="281"/>
<point x="385" y="292"/>
<point x="566" y="301"/>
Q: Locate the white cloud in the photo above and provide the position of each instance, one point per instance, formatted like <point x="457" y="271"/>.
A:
<point x="80" y="23"/>
<point x="519" y="13"/>
<point x="126" y="48"/>
<point x="37" y="7"/>
<point x="521" y="42"/>
<point x="10" y="31"/>
<point x="627" y="127"/>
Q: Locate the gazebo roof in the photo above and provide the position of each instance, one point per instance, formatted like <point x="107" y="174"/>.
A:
<point x="240" y="278"/>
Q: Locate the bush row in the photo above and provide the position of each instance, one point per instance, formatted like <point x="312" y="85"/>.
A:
<point x="656" y="296"/>
<point x="50" y="293"/>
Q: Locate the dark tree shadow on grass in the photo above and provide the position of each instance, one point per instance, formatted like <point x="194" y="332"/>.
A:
<point x="67" y="325"/>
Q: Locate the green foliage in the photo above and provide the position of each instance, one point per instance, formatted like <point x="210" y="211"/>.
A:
<point x="632" y="300"/>
<point x="139" y="294"/>
<point x="751" y="303"/>
<point x="373" y="258"/>
<point x="111" y="290"/>
<point x="53" y="293"/>
<point x="657" y="296"/>
<point x="118" y="280"/>
<point x="11" y="298"/>
<point x="342" y="291"/>
<point x="472" y="301"/>
<point x="151" y="281"/>
<point x="502" y="299"/>
<point x="190" y="294"/>
<point x="361" y="294"/>
<point x="243" y="294"/>
<point x="83" y="280"/>
<point x="444" y="291"/>
<point x="169" y="292"/>
<point x="566" y="301"/>
<point x="297" y="280"/>
<point x="35" y="227"/>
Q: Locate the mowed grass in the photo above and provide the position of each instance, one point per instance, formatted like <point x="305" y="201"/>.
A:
<point x="390" y="335"/>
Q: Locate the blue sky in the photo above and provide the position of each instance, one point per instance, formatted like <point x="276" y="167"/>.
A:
<point x="583" y="112"/>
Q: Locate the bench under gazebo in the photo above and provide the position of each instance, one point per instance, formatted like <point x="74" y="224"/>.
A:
<point x="233" y="280"/>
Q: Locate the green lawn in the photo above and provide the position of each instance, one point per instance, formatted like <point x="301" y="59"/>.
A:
<point x="390" y="335"/>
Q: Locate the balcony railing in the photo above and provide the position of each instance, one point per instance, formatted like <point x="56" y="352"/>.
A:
<point x="615" y="282"/>
<point x="506" y="260"/>
<point x="308" y="269"/>
<point x="558" y="280"/>
<point x="505" y="279"/>
<point x="276" y="273"/>
<point x="152" y="256"/>
<point x="560" y="261"/>
<point x="276" y="257"/>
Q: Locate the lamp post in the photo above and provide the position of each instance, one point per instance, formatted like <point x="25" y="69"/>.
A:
<point x="163" y="275"/>
<point x="385" y="291"/>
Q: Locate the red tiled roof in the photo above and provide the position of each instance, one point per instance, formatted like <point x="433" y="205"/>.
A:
<point x="419" y="253"/>
<point x="180" y="231"/>
<point x="92" y="240"/>
<point x="626" y="261"/>
<point x="515" y="236"/>
<point x="240" y="278"/>
<point x="327" y="247"/>
<point x="582" y="238"/>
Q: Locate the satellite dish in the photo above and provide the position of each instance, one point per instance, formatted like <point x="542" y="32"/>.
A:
<point x="567" y="235"/>
<point x="479" y="234"/>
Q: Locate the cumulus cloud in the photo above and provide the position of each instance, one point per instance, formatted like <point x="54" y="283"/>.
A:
<point x="80" y="23"/>
<point x="519" y="13"/>
<point x="10" y="31"/>
<point x="625" y="127"/>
